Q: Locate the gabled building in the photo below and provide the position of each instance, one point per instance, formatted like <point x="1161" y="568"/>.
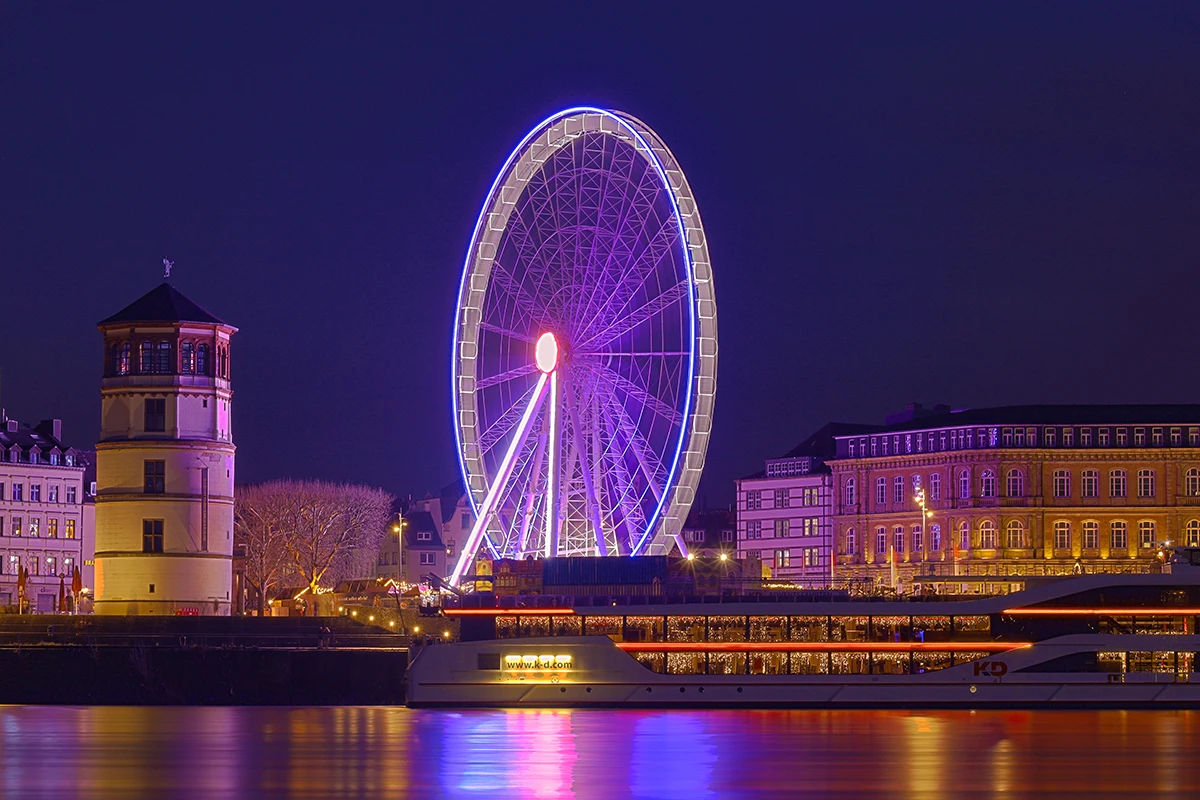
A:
<point x="412" y="549"/>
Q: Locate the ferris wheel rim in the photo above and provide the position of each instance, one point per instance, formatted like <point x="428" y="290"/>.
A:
<point x="677" y="191"/>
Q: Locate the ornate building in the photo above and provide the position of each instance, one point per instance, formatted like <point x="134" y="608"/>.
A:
<point x="164" y="472"/>
<point x="993" y="496"/>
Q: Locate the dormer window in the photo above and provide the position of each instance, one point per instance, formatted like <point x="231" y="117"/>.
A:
<point x="424" y="536"/>
<point x="54" y="459"/>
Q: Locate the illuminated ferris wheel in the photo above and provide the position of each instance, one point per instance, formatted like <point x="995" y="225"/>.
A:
<point x="585" y="352"/>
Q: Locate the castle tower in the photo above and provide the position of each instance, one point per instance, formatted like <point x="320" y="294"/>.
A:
<point x="164" y="463"/>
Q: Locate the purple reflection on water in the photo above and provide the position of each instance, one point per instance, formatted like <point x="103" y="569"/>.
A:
<point x="109" y="752"/>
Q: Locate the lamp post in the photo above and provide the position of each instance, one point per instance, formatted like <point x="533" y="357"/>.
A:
<point x="926" y="515"/>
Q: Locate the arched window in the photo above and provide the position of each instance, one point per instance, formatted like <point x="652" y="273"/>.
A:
<point x="1091" y="535"/>
<point x="935" y="486"/>
<point x="124" y="364"/>
<point x="1090" y="483"/>
<point x="1145" y="483"/>
<point x="1191" y="533"/>
<point x="987" y="484"/>
<point x="964" y="483"/>
<point x="1191" y="482"/>
<point x="202" y="359"/>
<point x="114" y="359"/>
<point x="935" y="537"/>
<point x="1118" y="533"/>
<point x="146" y="361"/>
<point x="1118" y="483"/>
<point x="1016" y="483"/>
<point x="881" y="541"/>
<point x="851" y="542"/>
<point x="849" y="491"/>
<point x="918" y="538"/>
<point x="162" y="364"/>
<point x="898" y="539"/>
<point x="1062" y="535"/>
<point x="1015" y="533"/>
<point x="898" y="490"/>
<point x="187" y="358"/>
<point x="987" y="535"/>
<point x="964" y="535"/>
<point x="1146" y="533"/>
<point x="880" y="491"/>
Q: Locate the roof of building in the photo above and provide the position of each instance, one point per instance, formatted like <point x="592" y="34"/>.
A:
<point x="422" y="522"/>
<point x="1051" y="415"/>
<point x="821" y="445"/>
<point x="26" y="438"/>
<point x="164" y="303"/>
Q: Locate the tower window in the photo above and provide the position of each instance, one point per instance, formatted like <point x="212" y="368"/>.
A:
<point x="152" y="536"/>
<point x="156" y="415"/>
<point x="146" y="360"/>
<point x="187" y="358"/>
<point x="162" y="362"/>
<point x="124" y="359"/>
<point x="202" y="359"/>
<point x="155" y="475"/>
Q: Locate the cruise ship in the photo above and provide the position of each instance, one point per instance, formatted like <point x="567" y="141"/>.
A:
<point x="1102" y="640"/>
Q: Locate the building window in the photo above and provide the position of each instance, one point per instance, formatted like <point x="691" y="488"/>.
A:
<point x="898" y="539"/>
<point x="1085" y="437"/>
<point x="918" y="539"/>
<point x="35" y="526"/>
<point x="1016" y="483"/>
<point x="964" y="535"/>
<point x="1122" y="437"/>
<point x="853" y="447"/>
<point x="70" y="529"/>
<point x="424" y="536"/>
<point x="1193" y="437"/>
<point x="874" y="446"/>
<point x="428" y="559"/>
<point x="51" y="565"/>
<point x="1062" y="483"/>
<point x="1146" y="533"/>
<point x="155" y="477"/>
<point x="1156" y="437"/>
<point x="935" y="537"/>
<point x="162" y="362"/>
<point x="781" y="528"/>
<point x="146" y="359"/>
<point x="812" y="497"/>
<point x="1118" y="483"/>
<point x="1191" y="533"/>
<point x="727" y="536"/>
<point x="987" y="535"/>
<point x="52" y="493"/>
<point x="964" y="484"/>
<point x="202" y="359"/>
<point x="1089" y="484"/>
<point x="1091" y="535"/>
<point x="1102" y="437"/>
<point x="783" y="559"/>
<point x="35" y="493"/>
<point x="465" y="522"/>
<point x="880" y="541"/>
<point x="1015" y="532"/>
<point x="987" y="484"/>
<point x="18" y="493"/>
<point x="1145" y="483"/>
<point x="851" y="543"/>
<point x="1068" y="437"/>
<point x="124" y="359"/>
<point x="781" y="498"/>
<point x="1191" y="482"/>
<point x="152" y="536"/>
<point x="753" y="501"/>
<point x="898" y="490"/>
<point x="1176" y="437"/>
<point x="850" y="491"/>
<point x="883" y="446"/>
<point x="52" y="528"/>
<point x="1062" y="535"/>
<point x="1118" y="533"/>
<point x="155" y="415"/>
<point x="754" y="529"/>
<point x="17" y="527"/>
<point x="935" y="486"/>
<point x="880" y="491"/>
<point x="70" y="494"/>
<point x="35" y="567"/>
<point x="1049" y="437"/>
<point x="187" y="358"/>
<point x="1139" y="437"/>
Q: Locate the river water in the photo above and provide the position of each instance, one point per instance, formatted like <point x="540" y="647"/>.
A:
<point x="109" y="752"/>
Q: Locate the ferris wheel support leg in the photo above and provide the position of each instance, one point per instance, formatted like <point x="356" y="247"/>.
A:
<point x="487" y="510"/>
<point x="553" y="452"/>
<point x="538" y="459"/>
<point x="588" y="484"/>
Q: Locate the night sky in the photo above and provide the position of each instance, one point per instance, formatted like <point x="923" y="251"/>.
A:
<point x="939" y="204"/>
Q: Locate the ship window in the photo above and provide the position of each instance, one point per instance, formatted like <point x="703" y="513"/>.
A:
<point x="644" y="629"/>
<point x="686" y="663"/>
<point x="809" y="629"/>
<point x="850" y="663"/>
<point x="655" y="662"/>
<point x="685" y="629"/>
<point x="925" y="661"/>
<point x="972" y="628"/>
<point x="809" y="663"/>
<point x="931" y="629"/>
<point x="848" y="629"/>
<point x="506" y="627"/>
<point x="488" y="661"/>
<point x="726" y="629"/>
<point x="726" y="663"/>
<point x="889" y="629"/>
<point x="604" y="626"/>
<point x="768" y="629"/>
<point x="567" y="625"/>
<point x="535" y="625"/>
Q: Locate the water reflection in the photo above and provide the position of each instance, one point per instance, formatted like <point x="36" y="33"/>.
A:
<point x="57" y="752"/>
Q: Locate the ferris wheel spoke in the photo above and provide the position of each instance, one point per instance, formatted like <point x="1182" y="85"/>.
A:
<point x="507" y="283"/>
<point x="511" y="334"/>
<point x="649" y="465"/>
<point x="593" y="505"/>
<point x="498" y="430"/>
<point x="631" y="321"/>
<point x="504" y="377"/>
<point x="647" y="400"/>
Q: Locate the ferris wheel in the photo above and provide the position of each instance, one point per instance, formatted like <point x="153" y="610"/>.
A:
<point x="585" y="352"/>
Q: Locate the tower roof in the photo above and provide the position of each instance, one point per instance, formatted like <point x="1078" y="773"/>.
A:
<point x="164" y="303"/>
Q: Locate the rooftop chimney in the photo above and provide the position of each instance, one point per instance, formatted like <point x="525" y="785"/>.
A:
<point x="51" y="428"/>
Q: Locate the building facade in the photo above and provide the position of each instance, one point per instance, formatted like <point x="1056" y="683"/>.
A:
<point x="996" y="495"/>
<point x="785" y="512"/>
<point x="165" y="460"/>
<point x="43" y="523"/>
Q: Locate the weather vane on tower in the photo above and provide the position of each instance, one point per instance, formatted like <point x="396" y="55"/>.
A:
<point x="167" y="268"/>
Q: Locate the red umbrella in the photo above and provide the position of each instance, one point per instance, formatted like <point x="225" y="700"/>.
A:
<point x="76" y="582"/>
<point x="62" y="593"/>
<point x="22" y="580"/>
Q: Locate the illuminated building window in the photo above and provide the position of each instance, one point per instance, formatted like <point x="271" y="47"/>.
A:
<point x="35" y="524"/>
<point x="850" y="491"/>
<point x="964" y="535"/>
<point x="1062" y="535"/>
<point x="918" y="539"/>
<point x="1062" y="483"/>
<point x="916" y="483"/>
<point x="935" y="537"/>
<point x="964" y="484"/>
<point x="146" y="359"/>
<point x="783" y="559"/>
<point x="1016" y="483"/>
<point x="987" y="535"/>
<point x="52" y="528"/>
<point x="898" y="539"/>
<point x="1191" y="482"/>
<point x="16" y="526"/>
<point x="880" y="541"/>
<point x="811" y="526"/>
<point x="1118" y="483"/>
<point x="935" y="486"/>
<point x="187" y="358"/>
<point x="851" y="542"/>
<point x="124" y="359"/>
<point x="1090" y="483"/>
<point x="1191" y="533"/>
<point x="1091" y="535"/>
<point x="987" y="484"/>
<point x="781" y="528"/>
<point x="880" y="491"/>
<point x="1146" y="533"/>
<point x="1145" y="483"/>
<point x="1102" y="437"/>
<point x="70" y="529"/>
<point x="898" y="490"/>
<point x="1015" y="532"/>
<point x="1118" y="533"/>
<point x="1122" y="437"/>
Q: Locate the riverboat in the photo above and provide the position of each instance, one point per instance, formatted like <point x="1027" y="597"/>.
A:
<point x="1101" y="640"/>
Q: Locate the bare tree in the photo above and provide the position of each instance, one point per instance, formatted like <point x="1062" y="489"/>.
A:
<point x="260" y="512"/>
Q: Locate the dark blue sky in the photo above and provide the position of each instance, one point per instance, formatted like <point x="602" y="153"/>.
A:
<point x="938" y="203"/>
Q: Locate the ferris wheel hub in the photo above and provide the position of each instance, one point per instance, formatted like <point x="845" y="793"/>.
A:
<point x="546" y="352"/>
